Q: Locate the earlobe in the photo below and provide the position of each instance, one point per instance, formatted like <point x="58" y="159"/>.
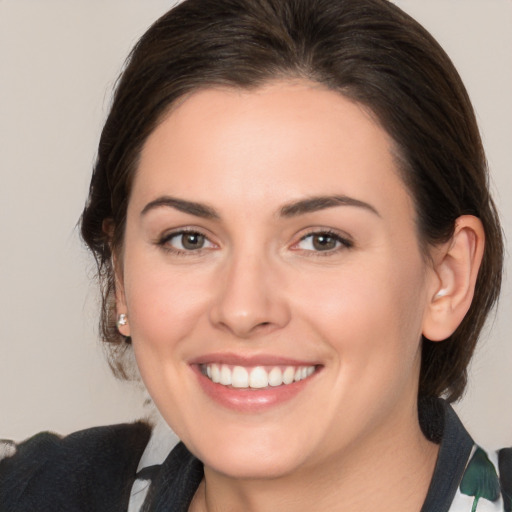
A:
<point x="456" y="266"/>
<point x="122" y="323"/>
<point x="123" y="326"/>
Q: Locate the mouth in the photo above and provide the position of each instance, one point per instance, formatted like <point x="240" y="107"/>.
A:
<point x="256" y="377"/>
<point x="253" y="384"/>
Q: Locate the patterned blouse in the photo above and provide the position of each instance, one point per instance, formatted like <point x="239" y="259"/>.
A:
<point x="134" y="468"/>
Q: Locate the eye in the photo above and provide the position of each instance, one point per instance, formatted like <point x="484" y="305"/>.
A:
<point x="323" y="241"/>
<point x="186" y="241"/>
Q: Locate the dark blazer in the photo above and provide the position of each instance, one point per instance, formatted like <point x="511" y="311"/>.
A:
<point x="94" y="470"/>
<point x="90" y="470"/>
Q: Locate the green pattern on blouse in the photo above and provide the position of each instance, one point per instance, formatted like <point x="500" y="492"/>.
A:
<point x="480" y="479"/>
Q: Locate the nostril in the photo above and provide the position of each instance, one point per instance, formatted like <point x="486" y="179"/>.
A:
<point x="262" y="326"/>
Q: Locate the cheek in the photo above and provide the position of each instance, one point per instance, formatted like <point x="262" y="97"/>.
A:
<point x="165" y="309"/>
<point x="369" y="312"/>
<point x="163" y="306"/>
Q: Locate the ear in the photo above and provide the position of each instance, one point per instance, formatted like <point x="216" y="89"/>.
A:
<point x="122" y="317"/>
<point x="456" y="266"/>
<point x="123" y="326"/>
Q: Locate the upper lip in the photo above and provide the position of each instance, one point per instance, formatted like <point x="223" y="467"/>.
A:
<point x="251" y="360"/>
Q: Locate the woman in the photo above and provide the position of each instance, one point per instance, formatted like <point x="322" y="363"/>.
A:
<point x="294" y="235"/>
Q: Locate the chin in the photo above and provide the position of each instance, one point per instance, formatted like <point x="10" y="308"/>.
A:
<point x="253" y="456"/>
<point x="253" y="466"/>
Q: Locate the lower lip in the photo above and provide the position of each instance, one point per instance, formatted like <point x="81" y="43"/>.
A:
<point x="248" y="399"/>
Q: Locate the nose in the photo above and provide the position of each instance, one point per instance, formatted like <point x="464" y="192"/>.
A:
<point x="250" y="299"/>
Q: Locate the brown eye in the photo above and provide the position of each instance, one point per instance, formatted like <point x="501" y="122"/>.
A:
<point x="186" y="241"/>
<point x="192" y="241"/>
<point x="324" y="242"/>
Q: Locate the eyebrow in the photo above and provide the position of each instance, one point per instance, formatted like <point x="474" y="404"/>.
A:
<point x="191" y="207"/>
<point x="317" y="203"/>
<point x="293" y="209"/>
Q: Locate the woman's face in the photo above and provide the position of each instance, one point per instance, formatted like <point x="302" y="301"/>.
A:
<point x="271" y="244"/>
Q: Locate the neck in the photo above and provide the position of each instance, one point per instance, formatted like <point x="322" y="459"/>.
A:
<point x="390" y="470"/>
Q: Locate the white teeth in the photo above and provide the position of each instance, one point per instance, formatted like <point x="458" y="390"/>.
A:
<point x="215" y="373"/>
<point x="257" y="377"/>
<point x="275" y="377"/>
<point x="240" y="377"/>
<point x="225" y="375"/>
<point x="288" y="375"/>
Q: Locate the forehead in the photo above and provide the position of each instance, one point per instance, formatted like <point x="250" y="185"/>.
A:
<point x="275" y="143"/>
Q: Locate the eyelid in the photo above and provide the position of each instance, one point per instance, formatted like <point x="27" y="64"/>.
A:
<point x="163" y="240"/>
<point x="344" y="240"/>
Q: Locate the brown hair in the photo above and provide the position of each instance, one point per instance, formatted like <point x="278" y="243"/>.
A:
<point x="369" y="51"/>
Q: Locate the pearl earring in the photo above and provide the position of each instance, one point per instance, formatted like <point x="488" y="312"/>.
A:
<point x="441" y="293"/>
<point x="122" y="320"/>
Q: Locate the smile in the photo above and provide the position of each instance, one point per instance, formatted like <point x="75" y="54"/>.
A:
<point x="256" y="377"/>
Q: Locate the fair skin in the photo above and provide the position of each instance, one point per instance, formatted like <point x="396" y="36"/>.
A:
<point x="266" y="277"/>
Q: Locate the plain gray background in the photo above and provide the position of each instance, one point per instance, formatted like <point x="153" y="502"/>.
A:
<point x="59" y="60"/>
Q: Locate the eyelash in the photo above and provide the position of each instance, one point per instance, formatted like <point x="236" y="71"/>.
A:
<point x="344" y="243"/>
<point x="165" y="239"/>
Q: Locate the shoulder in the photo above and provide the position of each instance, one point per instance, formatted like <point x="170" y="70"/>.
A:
<point x="466" y="477"/>
<point x="505" y="474"/>
<point x="76" y="472"/>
